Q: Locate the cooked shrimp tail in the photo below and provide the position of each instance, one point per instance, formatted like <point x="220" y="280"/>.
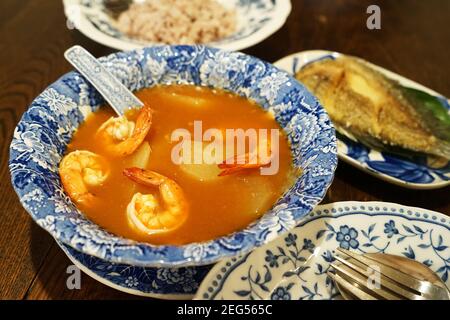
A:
<point x="144" y="177"/>
<point x="250" y="160"/>
<point x="229" y="169"/>
<point x="80" y="171"/>
<point x="122" y="137"/>
<point x="146" y="213"/>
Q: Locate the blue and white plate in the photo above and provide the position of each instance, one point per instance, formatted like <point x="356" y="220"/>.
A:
<point x="391" y="168"/>
<point x="257" y="20"/>
<point x="41" y="137"/>
<point x="161" y="283"/>
<point x="294" y="266"/>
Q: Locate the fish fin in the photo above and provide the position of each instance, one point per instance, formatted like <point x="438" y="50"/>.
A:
<point x="346" y="132"/>
<point x="434" y="111"/>
<point x="376" y="144"/>
<point x="443" y="149"/>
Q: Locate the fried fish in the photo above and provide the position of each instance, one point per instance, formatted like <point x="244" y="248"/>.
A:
<point x="376" y="110"/>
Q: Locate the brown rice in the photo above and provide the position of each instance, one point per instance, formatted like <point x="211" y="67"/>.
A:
<point x="177" y="21"/>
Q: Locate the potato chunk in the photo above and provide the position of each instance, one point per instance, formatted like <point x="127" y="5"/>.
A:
<point x="205" y="171"/>
<point x="140" y="157"/>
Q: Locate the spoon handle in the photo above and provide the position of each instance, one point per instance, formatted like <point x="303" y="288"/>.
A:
<point x="113" y="91"/>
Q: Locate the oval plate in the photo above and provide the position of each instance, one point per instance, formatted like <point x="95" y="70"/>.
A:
<point x="257" y="20"/>
<point x="294" y="266"/>
<point x="388" y="167"/>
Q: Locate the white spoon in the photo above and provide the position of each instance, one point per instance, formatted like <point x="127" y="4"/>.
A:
<point x="112" y="90"/>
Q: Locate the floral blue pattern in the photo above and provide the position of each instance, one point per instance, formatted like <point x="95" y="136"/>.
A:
<point x="411" y="172"/>
<point x="389" y="229"/>
<point x="281" y="293"/>
<point x="295" y="266"/>
<point x="347" y="237"/>
<point x="157" y="282"/>
<point x="41" y="137"/>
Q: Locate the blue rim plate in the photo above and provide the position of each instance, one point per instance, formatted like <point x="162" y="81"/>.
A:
<point x="391" y="168"/>
<point x="41" y="137"/>
<point x="161" y="283"/>
<point x="294" y="266"/>
<point x="257" y="20"/>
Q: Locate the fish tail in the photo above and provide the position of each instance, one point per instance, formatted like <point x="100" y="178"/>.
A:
<point x="443" y="149"/>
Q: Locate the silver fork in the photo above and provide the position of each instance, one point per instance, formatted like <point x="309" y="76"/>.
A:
<point x="399" y="278"/>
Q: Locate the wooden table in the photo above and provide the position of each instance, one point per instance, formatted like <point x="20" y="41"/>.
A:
<point x="414" y="41"/>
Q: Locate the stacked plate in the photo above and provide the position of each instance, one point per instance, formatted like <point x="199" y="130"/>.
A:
<point x="294" y="266"/>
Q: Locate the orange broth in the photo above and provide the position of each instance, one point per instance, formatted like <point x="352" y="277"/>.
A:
<point x="216" y="207"/>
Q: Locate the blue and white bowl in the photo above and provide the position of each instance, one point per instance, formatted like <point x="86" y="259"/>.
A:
<point x="41" y="137"/>
<point x="256" y="20"/>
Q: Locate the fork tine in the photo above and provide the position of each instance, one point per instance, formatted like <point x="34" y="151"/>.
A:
<point x="420" y="286"/>
<point x="361" y="281"/>
<point x="385" y="282"/>
<point x="354" y="291"/>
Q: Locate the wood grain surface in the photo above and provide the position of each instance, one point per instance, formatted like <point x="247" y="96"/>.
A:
<point x="414" y="41"/>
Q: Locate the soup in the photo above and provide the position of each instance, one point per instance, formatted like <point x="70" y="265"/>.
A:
<point x="198" y="201"/>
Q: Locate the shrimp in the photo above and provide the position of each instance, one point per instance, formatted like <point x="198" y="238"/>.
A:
<point x="81" y="170"/>
<point x="121" y="137"/>
<point x="146" y="213"/>
<point x="250" y="160"/>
